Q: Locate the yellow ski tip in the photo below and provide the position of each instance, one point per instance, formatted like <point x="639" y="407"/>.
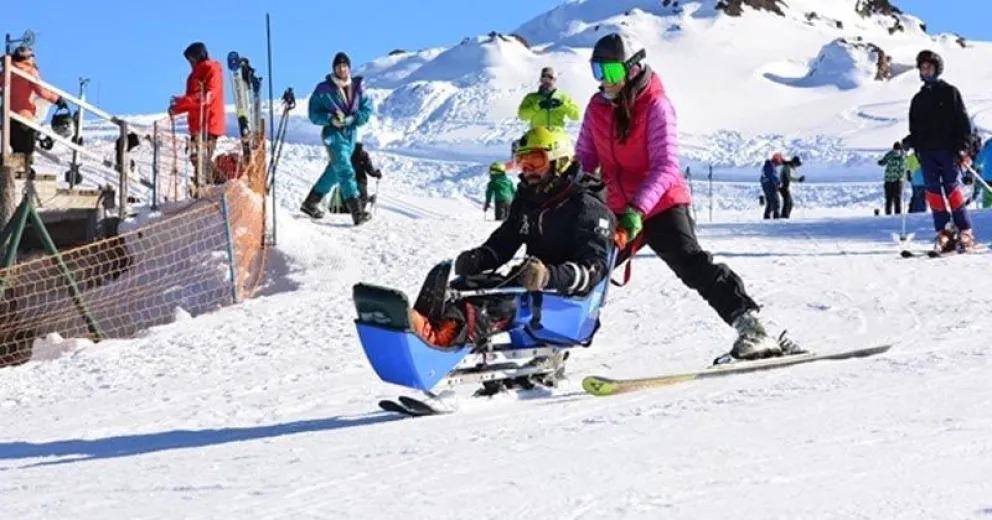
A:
<point x="599" y="386"/>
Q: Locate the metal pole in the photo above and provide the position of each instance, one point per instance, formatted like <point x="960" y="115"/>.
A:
<point x="230" y="246"/>
<point x="77" y="137"/>
<point x="711" y="193"/>
<point x="7" y="65"/>
<point x="77" y="296"/>
<point x="272" y="117"/>
<point x="155" y="154"/>
<point x="68" y="97"/>
<point x="16" y="226"/>
<point x="123" y="166"/>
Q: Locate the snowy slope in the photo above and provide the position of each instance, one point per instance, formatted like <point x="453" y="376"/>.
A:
<point x="807" y="75"/>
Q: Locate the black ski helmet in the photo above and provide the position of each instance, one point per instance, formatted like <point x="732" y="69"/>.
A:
<point x="613" y="47"/>
<point x="62" y="122"/>
<point x="197" y="51"/>
<point x="931" y="57"/>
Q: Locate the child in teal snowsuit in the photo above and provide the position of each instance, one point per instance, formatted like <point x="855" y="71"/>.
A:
<point x="501" y="188"/>
<point x="339" y="106"/>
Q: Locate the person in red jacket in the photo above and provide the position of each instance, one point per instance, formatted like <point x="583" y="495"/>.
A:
<point x="203" y="105"/>
<point x="629" y="133"/>
<point x="23" y="94"/>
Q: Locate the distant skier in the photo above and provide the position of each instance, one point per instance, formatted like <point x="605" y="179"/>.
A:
<point x="22" y="102"/>
<point x="500" y="188"/>
<point x="789" y="169"/>
<point x="558" y="214"/>
<point x="629" y="134"/>
<point x="895" y="168"/>
<point x="339" y="105"/>
<point x="203" y="104"/>
<point x="914" y="175"/>
<point x="771" y="183"/>
<point x="362" y="164"/>
<point x="939" y="132"/>
<point x="548" y="106"/>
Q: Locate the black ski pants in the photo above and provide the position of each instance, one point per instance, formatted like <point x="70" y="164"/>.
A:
<point x="22" y="139"/>
<point x="771" y="201"/>
<point x="502" y="210"/>
<point x="786" y="202"/>
<point x="893" y="197"/>
<point x="671" y="236"/>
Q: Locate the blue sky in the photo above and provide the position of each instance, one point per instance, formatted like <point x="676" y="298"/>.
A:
<point x="133" y="50"/>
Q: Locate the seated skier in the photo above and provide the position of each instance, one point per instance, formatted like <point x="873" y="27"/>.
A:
<point x="559" y="214"/>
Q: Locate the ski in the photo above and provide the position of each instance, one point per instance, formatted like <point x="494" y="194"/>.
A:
<point x="604" y="386"/>
<point x="410" y="407"/>
<point x="240" y="102"/>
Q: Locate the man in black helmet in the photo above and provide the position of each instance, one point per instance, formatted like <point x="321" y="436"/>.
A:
<point x="939" y="132"/>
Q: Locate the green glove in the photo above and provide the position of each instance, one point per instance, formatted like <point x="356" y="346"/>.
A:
<point x="632" y="222"/>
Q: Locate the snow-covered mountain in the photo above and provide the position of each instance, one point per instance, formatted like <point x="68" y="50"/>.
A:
<point x="746" y="76"/>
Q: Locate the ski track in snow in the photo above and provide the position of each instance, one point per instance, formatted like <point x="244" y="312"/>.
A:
<point x="267" y="409"/>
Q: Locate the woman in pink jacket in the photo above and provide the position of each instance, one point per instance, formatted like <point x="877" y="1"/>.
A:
<point x="629" y="134"/>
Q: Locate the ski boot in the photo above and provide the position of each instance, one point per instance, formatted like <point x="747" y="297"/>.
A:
<point x="358" y="215"/>
<point x="311" y="206"/>
<point x="966" y="241"/>
<point x="753" y="342"/>
<point x="944" y="242"/>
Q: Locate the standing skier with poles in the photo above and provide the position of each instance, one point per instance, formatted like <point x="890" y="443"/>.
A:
<point x="339" y="105"/>
<point x="629" y="134"/>
<point x="940" y="133"/>
<point x="785" y="183"/>
<point x="203" y="103"/>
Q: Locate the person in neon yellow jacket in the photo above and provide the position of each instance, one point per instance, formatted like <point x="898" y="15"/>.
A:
<point x="548" y="106"/>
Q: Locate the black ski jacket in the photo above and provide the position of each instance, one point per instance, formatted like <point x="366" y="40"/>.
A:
<point x="569" y="229"/>
<point x="938" y="119"/>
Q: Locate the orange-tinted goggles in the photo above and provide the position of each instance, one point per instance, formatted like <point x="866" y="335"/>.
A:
<point x="533" y="161"/>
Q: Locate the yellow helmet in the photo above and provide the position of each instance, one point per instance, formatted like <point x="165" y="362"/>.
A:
<point x="497" y="168"/>
<point x="552" y="141"/>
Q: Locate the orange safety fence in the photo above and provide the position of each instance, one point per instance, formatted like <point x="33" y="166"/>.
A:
<point x="196" y="256"/>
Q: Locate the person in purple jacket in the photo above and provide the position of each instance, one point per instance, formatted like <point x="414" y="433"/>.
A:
<point x="629" y="134"/>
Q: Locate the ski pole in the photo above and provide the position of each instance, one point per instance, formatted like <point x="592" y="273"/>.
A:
<point x="375" y="196"/>
<point x="904" y="211"/>
<point x="465" y="293"/>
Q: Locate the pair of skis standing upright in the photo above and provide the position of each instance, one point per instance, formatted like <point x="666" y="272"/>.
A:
<point x="247" y="100"/>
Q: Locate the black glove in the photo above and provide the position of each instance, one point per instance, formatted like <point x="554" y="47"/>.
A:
<point x="967" y="178"/>
<point x="485" y="207"/>
<point x="555" y="103"/>
<point x="802" y="178"/>
<point x="469" y="262"/>
<point x="60" y="103"/>
<point x="546" y="104"/>
<point x="377" y="173"/>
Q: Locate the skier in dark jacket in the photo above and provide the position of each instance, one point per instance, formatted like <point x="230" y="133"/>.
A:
<point x="785" y="181"/>
<point x="362" y="164"/>
<point x="559" y="215"/>
<point x="770" y="184"/>
<point x="940" y="133"/>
